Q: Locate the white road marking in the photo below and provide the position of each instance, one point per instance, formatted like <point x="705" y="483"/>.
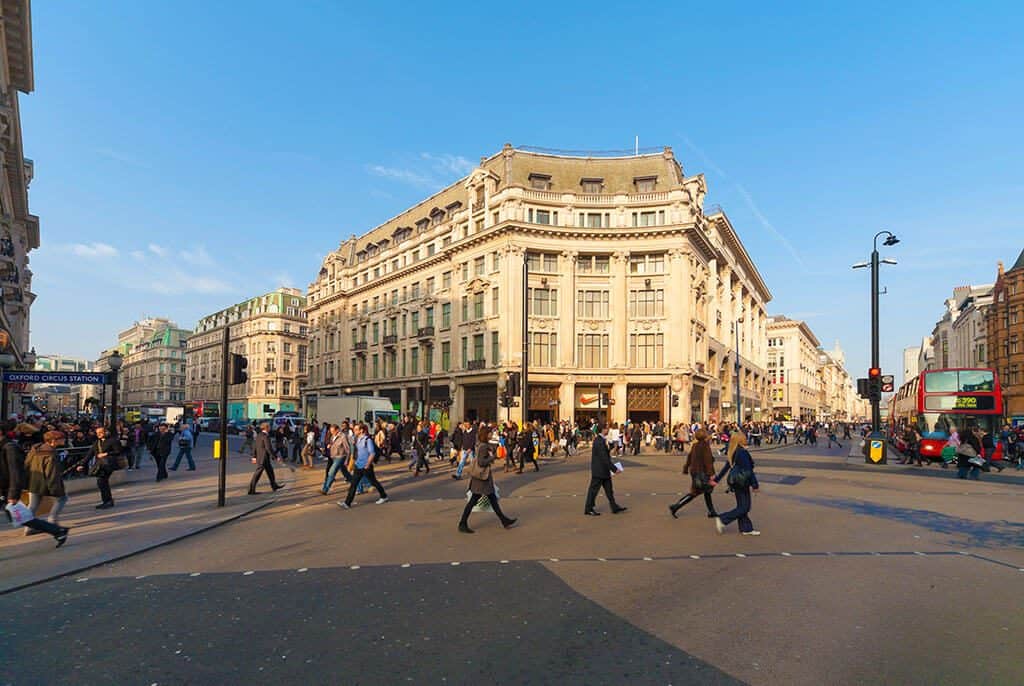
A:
<point x="601" y="559"/>
<point x="740" y="555"/>
<point x="354" y="567"/>
<point x="143" y="576"/>
<point x="406" y="565"/>
<point x="81" y="579"/>
<point x="249" y="573"/>
<point x="648" y="559"/>
<point x="456" y="564"/>
<point x="300" y="570"/>
<point x="553" y="559"/>
<point x="195" y="573"/>
<point x="694" y="557"/>
<point x="504" y="562"/>
<point x="787" y="554"/>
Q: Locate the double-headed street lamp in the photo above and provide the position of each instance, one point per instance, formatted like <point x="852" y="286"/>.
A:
<point x="876" y="415"/>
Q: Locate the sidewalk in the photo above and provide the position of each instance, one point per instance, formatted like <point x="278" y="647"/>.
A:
<point x="147" y="515"/>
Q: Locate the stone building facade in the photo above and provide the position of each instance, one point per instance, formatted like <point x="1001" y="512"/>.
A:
<point x="959" y="338"/>
<point x="19" y="229"/>
<point x="271" y="331"/>
<point x="1005" y="327"/>
<point x="793" y="364"/>
<point x="634" y="288"/>
<point x="153" y="372"/>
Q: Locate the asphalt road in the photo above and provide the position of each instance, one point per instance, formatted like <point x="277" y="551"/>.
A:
<point x="859" y="577"/>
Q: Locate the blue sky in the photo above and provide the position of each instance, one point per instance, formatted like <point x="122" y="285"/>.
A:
<point x="191" y="154"/>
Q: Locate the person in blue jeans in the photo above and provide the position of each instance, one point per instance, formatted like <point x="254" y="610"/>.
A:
<point x="338" y="451"/>
<point x="742" y="465"/>
<point x="184" y="449"/>
<point x="365" y="455"/>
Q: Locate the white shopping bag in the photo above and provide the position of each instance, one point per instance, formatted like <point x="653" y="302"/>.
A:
<point x="20" y="514"/>
<point x="484" y="504"/>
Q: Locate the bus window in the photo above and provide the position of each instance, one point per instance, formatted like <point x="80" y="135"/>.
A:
<point x="977" y="380"/>
<point x="940" y="382"/>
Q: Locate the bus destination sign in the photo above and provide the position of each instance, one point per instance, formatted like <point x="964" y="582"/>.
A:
<point x="960" y="402"/>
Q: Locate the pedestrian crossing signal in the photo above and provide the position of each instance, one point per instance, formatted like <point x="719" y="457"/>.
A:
<point x="238" y="366"/>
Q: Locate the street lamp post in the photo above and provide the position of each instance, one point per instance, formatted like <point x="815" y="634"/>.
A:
<point x="114" y="362"/>
<point x="6" y="362"/>
<point x="876" y="414"/>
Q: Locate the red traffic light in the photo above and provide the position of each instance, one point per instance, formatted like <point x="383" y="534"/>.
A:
<point x="874" y="372"/>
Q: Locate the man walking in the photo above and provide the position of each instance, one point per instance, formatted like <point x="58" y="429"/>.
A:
<point x="161" y="451"/>
<point x="339" y="451"/>
<point x="184" y="448"/>
<point x="105" y="451"/>
<point x="264" y="455"/>
<point x="468" y="448"/>
<point x="364" y="458"/>
<point x="601" y="470"/>
<point x="13" y="479"/>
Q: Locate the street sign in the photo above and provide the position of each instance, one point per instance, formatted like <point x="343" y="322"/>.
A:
<point x="56" y="377"/>
<point x="888" y="383"/>
<point x="876" y="451"/>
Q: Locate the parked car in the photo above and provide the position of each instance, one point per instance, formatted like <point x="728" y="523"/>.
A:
<point x="237" y="426"/>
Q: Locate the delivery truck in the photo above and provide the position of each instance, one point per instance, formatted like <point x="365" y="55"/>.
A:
<point x="363" y="408"/>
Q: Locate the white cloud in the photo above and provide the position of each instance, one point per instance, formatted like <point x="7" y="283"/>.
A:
<point x="452" y="163"/>
<point x="158" y="250"/>
<point x="404" y="175"/>
<point x="138" y="254"/>
<point x="93" y="250"/>
<point x="198" y="257"/>
<point x="176" y="282"/>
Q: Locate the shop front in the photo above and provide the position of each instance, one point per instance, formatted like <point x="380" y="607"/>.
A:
<point x="592" y="404"/>
<point x="644" y="403"/>
<point x="544" y="404"/>
<point x="697" y="403"/>
<point x="480" y="402"/>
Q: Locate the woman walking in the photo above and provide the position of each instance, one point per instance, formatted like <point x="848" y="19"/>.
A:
<point x="968" y="455"/>
<point x="481" y="482"/>
<point x="420" y="448"/>
<point x="741" y="480"/>
<point x="700" y="465"/>
<point x="309" y="447"/>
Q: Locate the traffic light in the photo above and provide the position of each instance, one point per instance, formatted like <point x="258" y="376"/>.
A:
<point x="863" y="388"/>
<point x="874" y="384"/>
<point x="513" y="387"/>
<point x="675" y="400"/>
<point x="238" y="366"/>
<point x="503" y="400"/>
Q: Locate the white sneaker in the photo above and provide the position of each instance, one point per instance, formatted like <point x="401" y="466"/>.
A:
<point x="381" y="501"/>
<point x="343" y="505"/>
<point x="755" y="532"/>
<point x="719" y="525"/>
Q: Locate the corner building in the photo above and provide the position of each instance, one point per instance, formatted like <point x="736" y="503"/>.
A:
<point x="634" y="288"/>
<point x="270" y="330"/>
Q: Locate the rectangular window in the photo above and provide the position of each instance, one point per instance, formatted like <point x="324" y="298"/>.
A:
<point x="592" y="350"/>
<point x="646" y="350"/>
<point x="543" y="302"/>
<point x="415" y="364"/>
<point x="542" y="216"/>
<point x="446" y="280"/>
<point x="430" y="317"/>
<point x="446" y="315"/>
<point x="404" y="356"/>
<point x="375" y="338"/>
<point x="478" y="266"/>
<point x="446" y="356"/>
<point x="478" y="346"/>
<point x="494" y="348"/>
<point x="465" y="308"/>
<point x="465" y="271"/>
<point x="646" y="184"/>
<point x="542" y="262"/>
<point x="592" y="304"/>
<point x="496" y="262"/>
<point x="431" y="249"/>
<point x="592" y="186"/>
<point x="478" y="305"/>
<point x="428" y="360"/>
<point x="375" y="368"/>
<point x="647" y="264"/>
<point x="465" y="351"/>
<point x="544" y="349"/>
<point x="592" y="264"/>
<point x="494" y="301"/>
<point x="430" y="285"/>
<point x="647" y="303"/>
<point x="415" y="323"/>
<point x="540" y="182"/>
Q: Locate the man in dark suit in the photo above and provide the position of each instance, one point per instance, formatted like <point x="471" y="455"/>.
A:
<point x="105" y="452"/>
<point x="264" y="456"/>
<point x="601" y="470"/>
<point x="161" y="450"/>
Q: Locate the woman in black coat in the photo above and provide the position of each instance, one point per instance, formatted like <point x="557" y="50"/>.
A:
<point x="526" y="449"/>
<point x="481" y="482"/>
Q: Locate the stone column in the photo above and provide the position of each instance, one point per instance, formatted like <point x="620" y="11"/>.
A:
<point x="618" y="410"/>
<point x="678" y="334"/>
<point x="567" y="399"/>
<point x="567" y="310"/>
<point x="403" y="399"/>
<point x="618" y="340"/>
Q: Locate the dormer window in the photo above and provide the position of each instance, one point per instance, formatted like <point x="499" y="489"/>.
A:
<point x="421" y="225"/>
<point x="540" y="182"/>
<point x="361" y="256"/>
<point x="592" y="186"/>
<point x="436" y="216"/>
<point x="645" y="184"/>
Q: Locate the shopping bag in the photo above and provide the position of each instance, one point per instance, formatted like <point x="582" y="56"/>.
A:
<point x="19" y="513"/>
<point x="484" y="504"/>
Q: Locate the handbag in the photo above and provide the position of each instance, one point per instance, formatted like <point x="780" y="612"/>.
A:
<point x="740" y="477"/>
<point x="701" y="482"/>
<point x="19" y="514"/>
<point x="967" y="450"/>
<point x="976" y="461"/>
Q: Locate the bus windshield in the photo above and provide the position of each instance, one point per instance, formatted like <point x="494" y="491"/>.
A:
<point x="964" y="381"/>
<point x="937" y="426"/>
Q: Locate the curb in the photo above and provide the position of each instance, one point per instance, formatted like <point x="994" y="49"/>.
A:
<point x="145" y="549"/>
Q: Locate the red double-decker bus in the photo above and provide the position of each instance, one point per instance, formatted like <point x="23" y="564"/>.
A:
<point x="939" y="401"/>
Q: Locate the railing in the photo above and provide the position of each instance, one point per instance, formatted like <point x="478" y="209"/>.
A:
<point x="391" y="340"/>
<point x="359" y="346"/>
<point x="425" y="332"/>
<point x="328" y="379"/>
<point x="476" y="364"/>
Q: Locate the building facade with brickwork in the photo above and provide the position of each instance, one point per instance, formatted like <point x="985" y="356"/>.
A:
<point x="1005" y="327"/>
<point x="635" y="291"/>
<point x="271" y="331"/>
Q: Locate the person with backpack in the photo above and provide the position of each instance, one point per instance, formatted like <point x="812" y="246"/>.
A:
<point x="365" y="455"/>
<point x="742" y="480"/>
